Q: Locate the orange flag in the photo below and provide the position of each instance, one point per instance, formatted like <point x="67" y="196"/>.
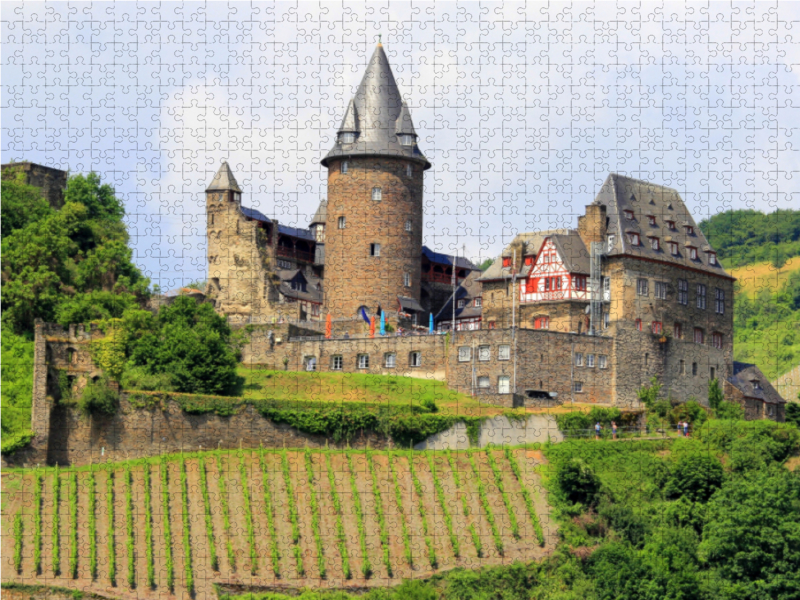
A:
<point x="328" y="327"/>
<point x="372" y="327"/>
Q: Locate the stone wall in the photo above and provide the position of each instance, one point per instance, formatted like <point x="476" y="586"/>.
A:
<point x="52" y="181"/>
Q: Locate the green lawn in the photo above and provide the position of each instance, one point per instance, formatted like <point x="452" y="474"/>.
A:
<point x="358" y="387"/>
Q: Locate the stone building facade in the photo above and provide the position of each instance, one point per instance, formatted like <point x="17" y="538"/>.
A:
<point x="52" y="181"/>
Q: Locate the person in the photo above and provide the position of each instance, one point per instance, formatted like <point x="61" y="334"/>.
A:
<point x="597" y="429"/>
<point x="685" y="429"/>
<point x="614" y="429"/>
<point x="680" y="427"/>
<point x="347" y="335"/>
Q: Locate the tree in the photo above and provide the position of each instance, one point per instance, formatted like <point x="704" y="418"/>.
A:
<point x="578" y="482"/>
<point x="752" y="538"/>
<point x="715" y="395"/>
<point x="695" y="476"/>
<point x="793" y="412"/>
<point x="22" y="204"/>
<point x="778" y="258"/>
<point x="486" y="264"/>
<point x="648" y="394"/>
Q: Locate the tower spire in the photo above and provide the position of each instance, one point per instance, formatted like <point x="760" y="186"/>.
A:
<point x="224" y="180"/>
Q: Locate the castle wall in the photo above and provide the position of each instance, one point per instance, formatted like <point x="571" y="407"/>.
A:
<point x="352" y="277"/>
<point x="52" y="181"/>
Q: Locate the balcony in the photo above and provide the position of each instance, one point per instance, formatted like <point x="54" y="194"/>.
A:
<point x="294" y="253"/>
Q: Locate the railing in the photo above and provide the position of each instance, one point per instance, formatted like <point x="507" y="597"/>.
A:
<point x="294" y="253"/>
<point x="440" y="278"/>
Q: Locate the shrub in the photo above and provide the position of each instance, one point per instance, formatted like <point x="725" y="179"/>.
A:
<point x="715" y="395"/>
<point x="167" y="525"/>
<point x="398" y="496"/>
<point x="662" y="408"/>
<point x="212" y="548"/>
<point x="187" y="543"/>
<point x="18" y="541"/>
<point x="526" y="496"/>
<point x="448" y="520"/>
<point x="16" y="441"/>
<point x="422" y="512"/>
<point x="140" y="378"/>
<point x="487" y="506"/>
<point x="148" y="526"/>
<point x="98" y="398"/>
<point x="56" y="537"/>
<point x="376" y="492"/>
<point x="37" y="522"/>
<point x="270" y="510"/>
<point x="429" y="405"/>
<point x="73" y="525"/>
<point x="648" y="394"/>
<point x="793" y="413"/>
<point x="112" y="550"/>
<point x="695" y="476"/>
<point x="778" y="440"/>
<point x="578" y="482"/>
<point x="690" y="411"/>
<point x="248" y="515"/>
<point x="476" y="539"/>
<point x="337" y="508"/>
<point x="729" y="410"/>
<point x="315" y="520"/>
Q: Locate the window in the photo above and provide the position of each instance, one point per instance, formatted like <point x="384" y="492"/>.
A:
<point x="406" y="279"/>
<point x="756" y="384"/>
<point x="406" y="140"/>
<point x="655" y="244"/>
<point x="651" y="219"/>
<point x="528" y="260"/>
<point x="590" y="361"/>
<point x="606" y="320"/>
<point x="377" y="194"/>
<point x="484" y="352"/>
<point x="483" y="382"/>
<point x="682" y="367"/>
<point x="541" y="323"/>
<point x="602" y="361"/>
<point x="673" y="248"/>
<point x="464" y="354"/>
<point x="344" y="166"/>
<point x="694" y="368"/>
<point x="577" y="387"/>
<point x="504" y="352"/>
<point x="689" y="229"/>
<point x="460" y="303"/>
<point x="633" y="238"/>
<point x="638" y="324"/>
<point x="374" y="249"/>
<point x="771" y="411"/>
<point x="712" y="373"/>
<point x="606" y="289"/>
<point x="408" y="225"/>
<point x="671" y="225"/>
<point x="503" y="384"/>
<point x="347" y="138"/>
<point x="646" y="359"/>
<point x="492" y="324"/>
<point x="311" y="363"/>
<point x="712" y="258"/>
<point x="661" y="290"/>
<point x="716" y="340"/>
<point x="701" y="296"/>
<point x="363" y="361"/>
<point x="641" y="287"/>
<point x="699" y="336"/>
<point x="342" y="222"/>
<point x="409" y="170"/>
<point x="655" y="327"/>
<point x="692" y="252"/>
<point x="611" y="239"/>
<point x="683" y="292"/>
<point x="336" y="363"/>
<point x="389" y="360"/>
<point x="415" y="359"/>
<point x="719" y="301"/>
<point x="629" y="215"/>
<point x="578" y="359"/>
<point x="580" y="282"/>
<point x="506" y="261"/>
<point x="477" y="303"/>
<point x="284" y="264"/>
<point x="677" y="331"/>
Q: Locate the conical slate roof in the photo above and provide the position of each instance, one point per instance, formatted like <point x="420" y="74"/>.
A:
<point x="378" y="114"/>
<point x="223" y="180"/>
<point x="321" y="216"/>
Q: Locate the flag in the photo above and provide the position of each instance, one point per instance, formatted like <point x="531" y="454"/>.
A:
<point x="372" y="328"/>
<point x="328" y="327"/>
<point x="430" y="323"/>
<point x="364" y="315"/>
<point x="383" y="323"/>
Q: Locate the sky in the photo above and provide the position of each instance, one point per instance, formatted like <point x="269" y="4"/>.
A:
<point x="523" y="109"/>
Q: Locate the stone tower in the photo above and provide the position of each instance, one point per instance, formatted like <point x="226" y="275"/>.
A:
<point x="373" y="232"/>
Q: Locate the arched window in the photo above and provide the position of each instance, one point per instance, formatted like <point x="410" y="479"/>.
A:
<point x="72" y="356"/>
<point x="377" y="194"/>
<point x="344" y="166"/>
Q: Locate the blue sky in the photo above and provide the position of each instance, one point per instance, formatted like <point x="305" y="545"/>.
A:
<point x="522" y="108"/>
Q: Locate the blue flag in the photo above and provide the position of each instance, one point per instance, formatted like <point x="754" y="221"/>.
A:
<point x="364" y="315"/>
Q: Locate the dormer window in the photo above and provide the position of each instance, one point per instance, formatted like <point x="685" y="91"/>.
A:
<point x="655" y="244"/>
<point x="461" y="303"/>
<point x="611" y="239"/>
<point x="528" y="260"/>
<point x="347" y="138"/>
<point x="689" y="229"/>
<point x="628" y="215"/>
<point x="377" y="194"/>
<point x="673" y="248"/>
<point x="237" y="197"/>
<point x="712" y="258"/>
<point x="344" y="166"/>
<point x="506" y="261"/>
<point x="633" y="238"/>
<point x="652" y="220"/>
<point x="756" y="384"/>
<point x="476" y="303"/>
<point x="406" y="139"/>
<point x="692" y="252"/>
<point x="671" y="225"/>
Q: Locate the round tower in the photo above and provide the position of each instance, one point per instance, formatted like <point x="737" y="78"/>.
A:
<point x="373" y="232"/>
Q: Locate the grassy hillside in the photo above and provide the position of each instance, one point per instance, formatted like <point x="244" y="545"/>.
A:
<point x="290" y="518"/>
<point x="763" y="253"/>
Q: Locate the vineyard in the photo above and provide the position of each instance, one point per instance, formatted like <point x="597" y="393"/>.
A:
<point x="177" y="525"/>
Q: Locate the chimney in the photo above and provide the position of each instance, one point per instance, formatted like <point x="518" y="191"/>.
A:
<point x="592" y="226"/>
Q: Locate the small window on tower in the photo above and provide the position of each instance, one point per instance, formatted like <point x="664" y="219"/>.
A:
<point x="408" y="225"/>
<point x="342" y="222"/>
<point x="347" y="138"/>
<point x="406" y="139"/>
<point x="344" y="166"/>
<point x="409" y="170"/>
<point x="374" y="249"/>
<point x="407" y="279"/>
<point x="377" y="194"/>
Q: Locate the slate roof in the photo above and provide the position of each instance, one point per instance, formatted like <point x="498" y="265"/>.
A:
<point x="223" y="180"/>
<point x="321" y="216"/>
<point x="742" y="378"/>
<point x="409" y="304"/>
<point x="297" y="232"/>
<point x="573" y="252"/>
<point x="533" y="242"/>
<point x="378" y="115"/>
<point x="256" y="215"/>
<point x="447" y="259"/>
<point x="312" y="293"/>
<point x="619" y="193"/>
<point x="468" y="290"/>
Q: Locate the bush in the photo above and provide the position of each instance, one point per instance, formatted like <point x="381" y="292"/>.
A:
<point x="139" y="378"/>
<point x="715" y="395"/>
<point x="778" y="440"/>
<point x="662" y="408"/>
<point x="12" y="443"/>
<point x="578" y="482"/>
<point x="695" y="476"/>
<point x="98" y="398"/>
<point x="793" y="413"/>
<point x="690" y="411"/>
<point x="729" y="410"/>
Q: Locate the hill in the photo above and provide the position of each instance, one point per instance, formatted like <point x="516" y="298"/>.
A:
<point x="763" y="253"/>
<point x="181" y="524"/>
